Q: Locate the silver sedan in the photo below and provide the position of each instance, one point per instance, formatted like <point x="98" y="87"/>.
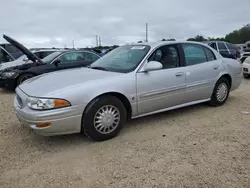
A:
<point x="129" y="82"/>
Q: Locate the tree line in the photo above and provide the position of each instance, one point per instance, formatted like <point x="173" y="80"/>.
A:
<point x="238" y="36"/>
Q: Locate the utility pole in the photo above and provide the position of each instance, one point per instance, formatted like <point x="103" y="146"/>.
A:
<point x="100" y="44"/>
<point x="73" y="42"/>
<point x="146" y="32"/>
<point x="96" y="40"/>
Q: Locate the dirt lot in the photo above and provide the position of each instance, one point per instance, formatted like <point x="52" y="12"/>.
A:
<point x="198" y="146"/>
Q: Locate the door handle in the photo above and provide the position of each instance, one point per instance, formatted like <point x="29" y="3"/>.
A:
<point x="179" y="74"/>
<point x="216" y="67"/>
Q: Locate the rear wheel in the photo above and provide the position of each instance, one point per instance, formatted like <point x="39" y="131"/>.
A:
<point x="104" y="118"/>
<point x="23" y="77"/>
<point x="220" y="93"/>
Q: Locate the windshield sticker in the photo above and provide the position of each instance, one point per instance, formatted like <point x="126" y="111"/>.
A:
<point x="138" y="47"/>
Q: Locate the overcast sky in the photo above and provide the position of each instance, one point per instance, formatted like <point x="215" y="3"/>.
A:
<point x="47" y="23"/>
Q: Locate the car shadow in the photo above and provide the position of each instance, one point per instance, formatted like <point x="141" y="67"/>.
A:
<point x="6" y="91"/>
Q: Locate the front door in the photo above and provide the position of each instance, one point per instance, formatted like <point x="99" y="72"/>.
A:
<point x="160" y="89"/>
<point x="202" y="71"/>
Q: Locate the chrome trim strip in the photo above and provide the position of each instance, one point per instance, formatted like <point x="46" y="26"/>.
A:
<point x="195" y="84"/>
<point x="163" y="91"/>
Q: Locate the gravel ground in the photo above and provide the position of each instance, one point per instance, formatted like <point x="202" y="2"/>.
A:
<point x="198" y="146"/>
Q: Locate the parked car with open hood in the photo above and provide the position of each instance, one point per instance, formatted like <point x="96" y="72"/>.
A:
<point x="24" y="60"/>
<point x="131" y="81"/>
<point x="61" y="59"/>
<point x="5" y="56"/>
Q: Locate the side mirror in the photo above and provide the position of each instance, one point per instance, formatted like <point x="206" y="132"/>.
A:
<point x="152" y="65"/>
<point x="56" y="62"/>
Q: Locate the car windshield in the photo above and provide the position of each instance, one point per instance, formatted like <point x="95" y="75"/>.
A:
<point x="51" y="57"/>
<point x="123" y="59"/>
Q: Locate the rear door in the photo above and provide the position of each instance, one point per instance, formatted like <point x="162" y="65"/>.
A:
<point x="202" y="71"/>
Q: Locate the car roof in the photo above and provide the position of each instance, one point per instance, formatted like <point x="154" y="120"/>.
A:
<point x="160" y="43"/>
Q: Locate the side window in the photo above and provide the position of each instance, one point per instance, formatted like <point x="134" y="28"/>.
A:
<point x="4" y="57"/>
<point x="210" y="55"/>
<point x="222" y="46"/>
<point x="91" y="57"/>
<point x="168" y="56"/>
<point x="72" y="57"/>
<point x="194" y="54"/>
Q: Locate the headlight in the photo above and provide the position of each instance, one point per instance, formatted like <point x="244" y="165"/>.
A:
<point x="46" y="104"/>
<point x="8" y="74"/>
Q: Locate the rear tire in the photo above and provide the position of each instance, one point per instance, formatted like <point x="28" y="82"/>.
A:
<point x="104" y="118"/>
<point x="220" y="93"/>
<point x="23" y="77"/>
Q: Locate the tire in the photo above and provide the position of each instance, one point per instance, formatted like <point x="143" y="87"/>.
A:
<point x="246" y="75"/>
<point x="96" y="130"/>
<point x="22" y="78"/>
<point x="215" y="99"/>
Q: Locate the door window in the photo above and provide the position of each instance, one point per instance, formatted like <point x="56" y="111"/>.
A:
<point x="71" y="57"/>
<point x="91" y="57"/>
<point x="4" y="57"/>
<point x="194" y="54"/>
<point x="168" y="56"/>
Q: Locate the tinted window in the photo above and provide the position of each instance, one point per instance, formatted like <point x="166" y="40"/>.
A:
<point x="194" y="54"/>
<point x="4" y="57"/>
<point x="221" y="46"/>
<point x="72" y="57"/>
<point x="231" y="46"/>
<point x="91" y="57"/>
<point x="168" y="56"/>
<point x="210" y="55"/>
<point x="51" y="57"/>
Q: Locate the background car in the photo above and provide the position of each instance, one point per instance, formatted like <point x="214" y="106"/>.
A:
<point x="131" y="81"/>
<point x="243" y="56"/>
<point x="226" y="49"/>
<point x="61" y="59"/>
<point x="24" y="59"/>
<point x="5" y="56"/>
<point x="246" y="68"/>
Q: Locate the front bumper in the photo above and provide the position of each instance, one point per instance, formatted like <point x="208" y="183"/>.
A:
<point x="63" y="121"/>
<point x="7" y="83"/>
<point x="246" y="68"/>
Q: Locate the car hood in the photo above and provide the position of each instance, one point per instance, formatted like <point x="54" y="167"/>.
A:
<point x="11" y="64"/>
<point x="47" y="84"/>
<point x="23" y="49"/>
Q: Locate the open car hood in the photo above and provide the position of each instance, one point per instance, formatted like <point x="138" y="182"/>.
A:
<point x="23" y="49"/>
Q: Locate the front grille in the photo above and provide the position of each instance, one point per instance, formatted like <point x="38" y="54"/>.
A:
<point x="245" y="69"/>
<point x="19" y="101"/>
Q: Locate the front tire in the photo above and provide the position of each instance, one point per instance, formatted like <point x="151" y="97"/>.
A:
<point x="23" y="77"/>
<point x="104" y="118"/>
<point x="220" y="93"/>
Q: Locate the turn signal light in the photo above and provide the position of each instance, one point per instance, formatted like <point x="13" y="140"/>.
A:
<point x="60" y="103"/>
<point x="41" y="125"/>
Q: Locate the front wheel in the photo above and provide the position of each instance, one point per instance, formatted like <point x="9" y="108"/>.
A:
<point x="220" y="93"/>
<point x="104" y="118"/>
<point x="23" y="77"/>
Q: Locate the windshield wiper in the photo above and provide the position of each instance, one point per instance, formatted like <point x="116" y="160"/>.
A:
<point x="98" y="68"/>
